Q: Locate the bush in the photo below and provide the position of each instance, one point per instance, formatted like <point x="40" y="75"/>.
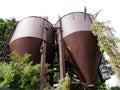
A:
<point x="64" y="84"/>
<point x="18" y="74"/>
<point x="107" y="43"/>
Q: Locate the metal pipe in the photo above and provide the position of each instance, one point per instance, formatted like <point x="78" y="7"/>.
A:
<point x="61" y="52"/>
<point x="43" y="58"/>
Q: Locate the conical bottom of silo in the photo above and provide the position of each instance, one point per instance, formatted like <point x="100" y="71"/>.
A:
<point x="84" y="50"/>
<point x="75" y="70"/>
<point x="29" y="45"/>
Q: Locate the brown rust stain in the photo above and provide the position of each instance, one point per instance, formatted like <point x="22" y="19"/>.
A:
<point x="84" y="49"/>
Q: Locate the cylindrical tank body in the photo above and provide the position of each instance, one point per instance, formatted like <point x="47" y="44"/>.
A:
<point x="81" y="44"/>
<point x="28" y="37"/>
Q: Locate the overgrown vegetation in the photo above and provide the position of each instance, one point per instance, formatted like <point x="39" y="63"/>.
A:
<point x="5" y="27"/>
<point x="107" y="43"/>
<point x="98" y="84"/>
<point x="18" y="74"/>
<point x="64" y="84"/>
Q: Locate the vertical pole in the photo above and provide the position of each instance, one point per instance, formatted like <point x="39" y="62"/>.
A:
<point x="43" y="58"/>
<point x="61" y="52"/>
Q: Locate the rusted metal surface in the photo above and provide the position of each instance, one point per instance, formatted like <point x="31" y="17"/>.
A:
<point x="61" y="51"/>
<point x="33" y="27"/>
<point x="34" y="35"/>
<point x="70" y="62"/>
<point x="43" y="60"/>
<point x="27" y="45"/>
<point x="74" y="22"/>
<point x="61" y="54"/>
<point x="28" y="37"/>
<point x="83" y="47"/>
<point x="81" y="44"/>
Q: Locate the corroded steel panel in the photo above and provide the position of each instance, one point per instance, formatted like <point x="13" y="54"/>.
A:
<point x="27" y="45"/>
<point x="81" y="44"/>
<point x="28" y="37"/>
<point x="33" y="27"/>
<point x="74" y="22"/>
<point x="84" y="49"/>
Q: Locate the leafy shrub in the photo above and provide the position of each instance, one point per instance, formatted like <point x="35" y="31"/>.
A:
<point x="5" y="27"/>
<point x="114" y="88"/>
<point x="64" y="84"/>
<point x="18" y="74"/>
<point x="107" y="43"/>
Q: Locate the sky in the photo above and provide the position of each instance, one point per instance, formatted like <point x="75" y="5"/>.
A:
<point x="54" y="8"/>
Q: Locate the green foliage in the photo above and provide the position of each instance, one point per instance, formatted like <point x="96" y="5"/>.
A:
<point x="47" y="87"/>
<point x="107" y="43"/>
<point x="98" y="84"/>
<point x="114" y="88"/>
<point x="64" y="84"/>
<point x="5" y="27"/>
<point x="56" y="69"/>
<point x="18" y="74"/>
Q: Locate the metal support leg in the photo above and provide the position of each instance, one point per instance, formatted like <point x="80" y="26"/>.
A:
<point x="43" y="60"/>
<point x="61" y="53"/>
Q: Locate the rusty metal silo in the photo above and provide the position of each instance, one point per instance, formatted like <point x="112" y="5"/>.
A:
<point x="81" y="44"/>
<point x="28" y="37"/>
